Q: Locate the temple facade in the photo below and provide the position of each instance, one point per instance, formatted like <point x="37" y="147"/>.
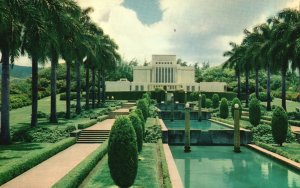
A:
<point x="164" y="73"/>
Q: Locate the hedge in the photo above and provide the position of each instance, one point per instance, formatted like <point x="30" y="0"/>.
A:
<point x="75" y="177"/>
<point x="87" y="124"/>
<point x="294" y="122"/>
<point x="62" y="96"/>
<point x="102" y="118"/>
<point x="159" y="95"/>
<point x="32" y="159"/>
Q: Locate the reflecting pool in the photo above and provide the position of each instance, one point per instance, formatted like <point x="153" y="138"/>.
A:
<point x="195" y="124"/>
<point x="219" y="167"/>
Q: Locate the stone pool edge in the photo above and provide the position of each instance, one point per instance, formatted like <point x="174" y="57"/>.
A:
<point x="227" y="125"/>
<point x="276" y="156"/>
<point x="172" y="168"/>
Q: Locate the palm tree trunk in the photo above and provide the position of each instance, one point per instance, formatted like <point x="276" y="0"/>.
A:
<point x="239" y="84"/>
<point x="269" y="89"/>
<point x="5" y="134"/>
<point x="68" y="90"/>
<point x="247" y="87"/>
<point x="256" y="83"/>
<point x="87" y="88"/>
<point x="93" y="88"/>
<point x="103" y="89"/>
<point x="34" y="92"/>
<point x="54" y="62"/>
<point x="283" y="89"/>
<point x="99" y="88"/>
<point x="78" y="87"/>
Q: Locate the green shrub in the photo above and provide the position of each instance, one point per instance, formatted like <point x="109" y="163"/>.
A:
<point x="140" y="114"/>
<point x="122" y="152"/>
<point x="144" y="107"/>
<point x="75" y="177"/>
<point x="262" y="133"/>
<point x="146" y="96"/>
<point x="254" y="112"/>
<point x="203" y="100"/>
<point x="102" y="118"/>
<point x="87" y="124"/>
<point x="32" y="159"/>
<point x="215" y="100"/>
<point x="233" y="102"/>
<point x="137" y="125"/>
<point x="279" y="125"/>
<point x="208" y="103"/>
<point x="152" y="134"/>
<point x="42" y="115"/>
<point x="62" y="96"/>
<point x="224" y="112"/>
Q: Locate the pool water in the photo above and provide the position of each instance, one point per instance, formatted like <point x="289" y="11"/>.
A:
<point x="220" y="167"/>
<point x="194" y="124"/>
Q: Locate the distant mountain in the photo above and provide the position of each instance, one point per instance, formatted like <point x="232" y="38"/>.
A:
<point x="18" y="71"/>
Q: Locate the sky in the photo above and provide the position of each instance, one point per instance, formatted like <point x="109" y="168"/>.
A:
<point x="194" y="30"/>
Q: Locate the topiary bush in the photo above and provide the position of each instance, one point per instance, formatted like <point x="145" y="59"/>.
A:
<point x="233" y="102"/>
<point x="208" y="103"/>
<point x="146" y="96"/>
<point x="137" y="125"/>
<point x="140" y="114"/>
<point x="203" y="101"/>
<point x="215" y="101"/>
<point x="122" y="152"/>
<point x="254" y="112"/>
<point x="144" y="107"/>
<point x="279" y="125"/>
<point x="224" y="112"/>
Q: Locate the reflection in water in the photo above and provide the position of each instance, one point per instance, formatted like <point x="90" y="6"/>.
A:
<point x="220" y="167"/>
<point x="195" y="124"/>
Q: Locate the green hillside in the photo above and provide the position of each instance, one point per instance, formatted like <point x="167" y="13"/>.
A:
<point x="18" y="71"/>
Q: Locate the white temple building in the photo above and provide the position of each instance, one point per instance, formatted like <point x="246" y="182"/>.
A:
<point x="164" y="73"/>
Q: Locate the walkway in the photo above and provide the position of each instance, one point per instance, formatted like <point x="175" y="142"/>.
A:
<point x="47" y="173"/>
<point x="295" y="129"/>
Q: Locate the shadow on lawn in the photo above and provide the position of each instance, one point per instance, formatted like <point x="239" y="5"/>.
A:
<point x="21" y="147"/>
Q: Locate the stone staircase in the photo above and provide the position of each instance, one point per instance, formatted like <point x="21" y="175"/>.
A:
<point x="93" y="136"/>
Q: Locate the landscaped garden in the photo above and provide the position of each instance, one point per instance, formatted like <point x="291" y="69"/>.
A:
<point x="46" y="111"/>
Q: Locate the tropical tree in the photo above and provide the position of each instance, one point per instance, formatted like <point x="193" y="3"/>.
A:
<point x="11" y="13"/>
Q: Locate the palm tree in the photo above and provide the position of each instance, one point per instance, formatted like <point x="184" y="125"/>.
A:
<point x="234" y="62"/>
<point x="34" y="42"/>
<point x="282" y="49"/>
<point x="11" y="13"/>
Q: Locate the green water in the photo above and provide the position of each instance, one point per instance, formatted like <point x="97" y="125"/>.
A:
<point x="194" y="124"/>
<point x="220" y="167"/>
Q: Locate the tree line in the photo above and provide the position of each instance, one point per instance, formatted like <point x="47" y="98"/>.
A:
<point x="271" y="46"/>
<point x="47" y="30"/>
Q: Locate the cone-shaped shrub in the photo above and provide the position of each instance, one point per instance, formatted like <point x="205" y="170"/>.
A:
<point x="203" y="101"/>
<point x="279" y="125"/>
<point x="122" y="152"/>
<point x="137" y="125"/>
<point x="208" y="103"/>
<point x="224" y="112"/>
<point x="140" y="114"/>
<point x="147" y="97"/>
<point x="254" y="112"/>
<point x="233" y="102"/>
<point x="216" y="100"/>
<point x="144" y="107"/>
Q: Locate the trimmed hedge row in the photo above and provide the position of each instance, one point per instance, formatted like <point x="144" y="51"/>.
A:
<point x="75" y="177"/>
<point x="62" y="96"/>
<point x="33" y="159"/>
<point x="87" y="124"/>
<point x="159" y="95"/>
<point x="102" y="118"/>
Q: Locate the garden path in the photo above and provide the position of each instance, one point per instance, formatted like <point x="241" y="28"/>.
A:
<point x="47" y="173"/>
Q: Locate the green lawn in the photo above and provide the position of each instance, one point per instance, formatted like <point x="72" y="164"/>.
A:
<point x="15" y="152"/>
<point x="147" y="175"/>
<point x="290" y="105"/>
<point x="291" y="148"/>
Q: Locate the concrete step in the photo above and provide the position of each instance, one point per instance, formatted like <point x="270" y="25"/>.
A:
<point x="93" y="136"/>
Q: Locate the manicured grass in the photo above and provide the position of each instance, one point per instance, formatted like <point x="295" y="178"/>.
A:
<point x="147" y="175"/>
<point x="243" y="123"/>
<point x="288" y="150"/>
<point x="290" y="105"/>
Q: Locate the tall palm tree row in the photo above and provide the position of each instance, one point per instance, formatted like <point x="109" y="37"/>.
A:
<point x="49" y="30"/>
<point x="273" y="46"/>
